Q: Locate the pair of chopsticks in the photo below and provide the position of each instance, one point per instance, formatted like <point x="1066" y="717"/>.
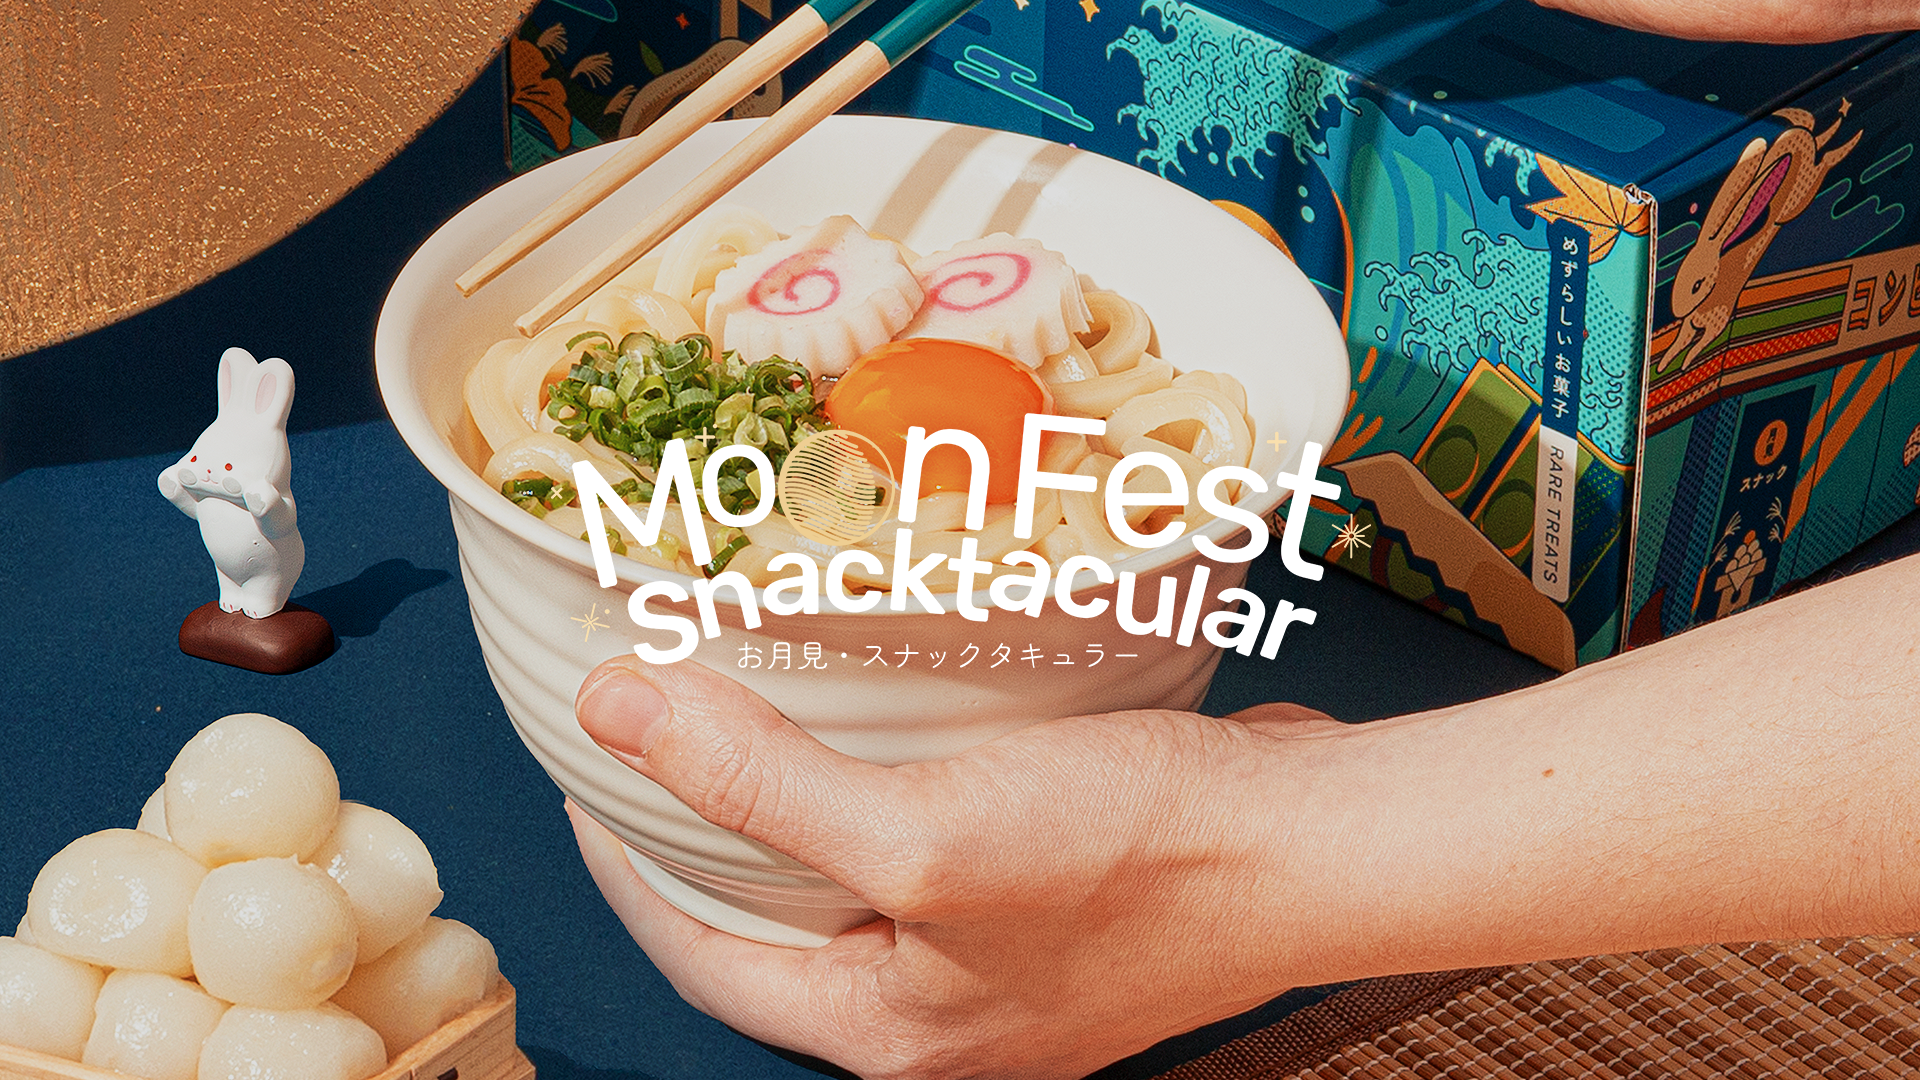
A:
<point x="778" y="48"/>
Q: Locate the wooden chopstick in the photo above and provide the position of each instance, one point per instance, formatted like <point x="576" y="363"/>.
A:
<point x="859" y="70"/>
<point x="791" y="39"/>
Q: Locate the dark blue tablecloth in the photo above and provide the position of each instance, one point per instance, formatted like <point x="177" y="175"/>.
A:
<point x="96" y="572"/>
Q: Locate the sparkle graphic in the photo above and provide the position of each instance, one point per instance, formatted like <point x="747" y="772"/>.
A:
<point x="1276" y="442"/>
<point x="1349" y="538"/>
<point x="592" y="621"/>
<point x="1090" y="8"/>
<point x="1022" y="4"/>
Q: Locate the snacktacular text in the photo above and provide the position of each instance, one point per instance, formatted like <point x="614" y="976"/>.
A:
<point x="806" y="588"/>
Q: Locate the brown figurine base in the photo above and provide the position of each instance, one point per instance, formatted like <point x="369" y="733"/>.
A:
<point x="292" y="639"/>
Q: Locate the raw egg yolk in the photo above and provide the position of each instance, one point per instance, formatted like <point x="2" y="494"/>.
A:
<point x="935" y="384"/>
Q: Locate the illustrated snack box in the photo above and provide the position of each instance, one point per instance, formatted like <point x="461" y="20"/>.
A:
<point x="1630" y="318"/>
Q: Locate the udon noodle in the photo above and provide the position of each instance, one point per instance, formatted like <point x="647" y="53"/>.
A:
<point x="1108" y="368"/>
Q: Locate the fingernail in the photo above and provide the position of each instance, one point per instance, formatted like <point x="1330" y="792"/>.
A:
<point x="596" y="677"/>
<point x="623" y="712"/>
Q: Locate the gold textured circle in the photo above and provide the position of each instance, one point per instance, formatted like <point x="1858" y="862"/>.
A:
<point x="831" y="489"/>
<point x="146" y="147"/>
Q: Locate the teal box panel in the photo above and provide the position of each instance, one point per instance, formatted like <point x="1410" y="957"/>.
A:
<point x="1784" y="268"/>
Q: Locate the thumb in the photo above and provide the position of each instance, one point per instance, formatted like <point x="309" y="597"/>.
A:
<point x="737" y="762"/>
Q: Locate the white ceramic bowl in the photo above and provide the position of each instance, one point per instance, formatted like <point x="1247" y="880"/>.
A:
<point x="1221" y="299"/>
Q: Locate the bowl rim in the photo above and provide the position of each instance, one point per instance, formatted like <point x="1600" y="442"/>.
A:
<point x="407" y="411"/>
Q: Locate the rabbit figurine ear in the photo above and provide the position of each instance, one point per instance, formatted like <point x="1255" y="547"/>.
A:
<point x="273" y="393"/>
<point x="236" y="376"/>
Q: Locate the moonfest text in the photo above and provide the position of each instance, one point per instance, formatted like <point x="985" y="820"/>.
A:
<point x="809" y="586"/>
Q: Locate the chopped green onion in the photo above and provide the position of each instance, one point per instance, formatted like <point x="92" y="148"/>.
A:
<point x="574" y="341"/>
<point x="725" y="555"/>
<point x="538" y="494"/>
<point x="635" y="395"/>
<point x="615" y="542"/>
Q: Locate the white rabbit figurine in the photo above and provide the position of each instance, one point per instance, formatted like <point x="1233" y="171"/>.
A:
<point x="235" y="482"/>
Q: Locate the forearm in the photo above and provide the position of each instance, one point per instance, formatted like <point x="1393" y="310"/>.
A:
<point x="1755" y="778"/>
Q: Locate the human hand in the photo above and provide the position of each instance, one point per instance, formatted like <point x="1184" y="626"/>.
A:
<point x="1070" y="893"/>
<point x="1075" y="891"/>
<point x="1052" y="901"/>
<point x="1776" y="21"/>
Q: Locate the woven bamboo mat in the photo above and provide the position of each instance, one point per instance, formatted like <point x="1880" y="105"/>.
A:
<point x="1814" y="1009"/>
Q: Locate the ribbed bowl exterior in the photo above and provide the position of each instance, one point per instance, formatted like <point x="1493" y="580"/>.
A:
<point x="531" y="610"/>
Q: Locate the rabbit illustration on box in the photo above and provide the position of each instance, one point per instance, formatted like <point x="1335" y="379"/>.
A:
<point x="236" y="482"/>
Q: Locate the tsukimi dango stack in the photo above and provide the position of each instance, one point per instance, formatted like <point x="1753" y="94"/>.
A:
<point x="253" y="925"/>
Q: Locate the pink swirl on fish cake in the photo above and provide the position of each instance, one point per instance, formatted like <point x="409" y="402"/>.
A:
<point x="795" y="285"/>
<point x="979" y="282"/>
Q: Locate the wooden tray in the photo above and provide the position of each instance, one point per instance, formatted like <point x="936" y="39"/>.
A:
<point x="478" y="1045"/>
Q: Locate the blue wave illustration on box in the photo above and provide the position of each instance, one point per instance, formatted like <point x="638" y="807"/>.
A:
<point x="1213" y="74"/>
